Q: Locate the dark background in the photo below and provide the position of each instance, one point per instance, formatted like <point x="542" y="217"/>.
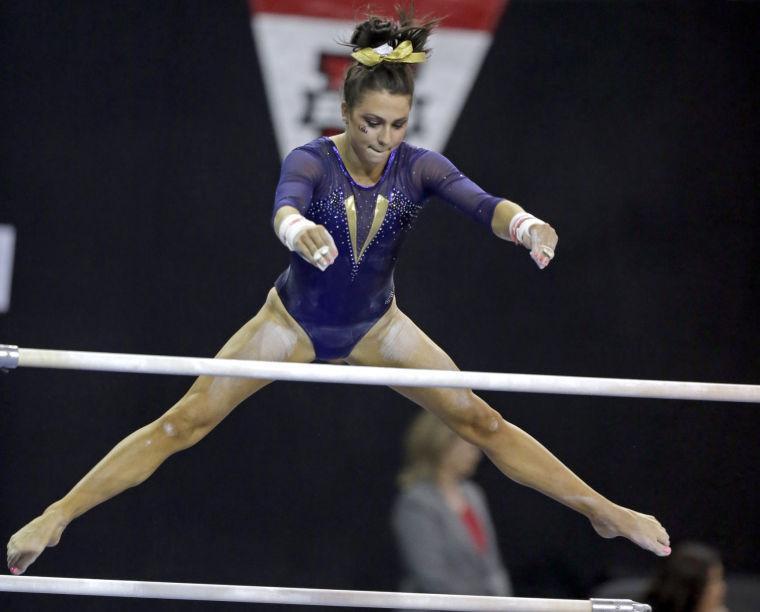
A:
<point x="138" y="165"/>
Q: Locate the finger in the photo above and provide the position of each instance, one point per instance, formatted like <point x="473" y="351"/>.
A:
<point x="546" y="251"/>
<point x="549" y="237"/>
<point x="542" y="254"/>
<point x="320" y="246"/>
<point x="320" y="257"/>
<point x="308" y="249"/>
<point x="322" y="251"/>
<point x="306" y="244"/>
<point x="541" y="260"/>
<point x="544" y="235"/>
<point x="328" y="241"/>
<point x="325" y="245"/>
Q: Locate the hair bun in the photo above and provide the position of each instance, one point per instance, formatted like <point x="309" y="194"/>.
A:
<point x="395" y="78"/>
<point x="374" y="32"/>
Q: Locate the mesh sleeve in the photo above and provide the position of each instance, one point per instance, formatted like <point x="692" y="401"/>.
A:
<point x="300" y="174"/>
<point x="439" y="177"/>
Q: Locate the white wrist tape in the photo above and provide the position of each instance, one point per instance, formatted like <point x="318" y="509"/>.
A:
<point x="520" y="225"/>
<point x="291" y="227"/>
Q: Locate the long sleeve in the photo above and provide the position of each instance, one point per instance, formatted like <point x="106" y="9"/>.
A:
<point x="439" y="177"/>
<point x="299" y="177"/>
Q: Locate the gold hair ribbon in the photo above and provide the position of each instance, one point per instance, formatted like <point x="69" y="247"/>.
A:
<point x="403" y="53"/>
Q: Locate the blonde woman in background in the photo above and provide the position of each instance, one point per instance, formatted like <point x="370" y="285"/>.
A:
<point x="440" y="519"/>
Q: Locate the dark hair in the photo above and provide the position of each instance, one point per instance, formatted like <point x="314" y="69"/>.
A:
<point x="680" y="582"/>
<point x="396" y="78"/>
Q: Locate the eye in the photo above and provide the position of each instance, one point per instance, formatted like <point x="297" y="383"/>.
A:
<point x="371" y="123"/>
<point x="398" y="125"/>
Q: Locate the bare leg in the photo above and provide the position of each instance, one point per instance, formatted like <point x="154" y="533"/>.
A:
<point x="396" y="341"/>
<point x="271" y="335"/>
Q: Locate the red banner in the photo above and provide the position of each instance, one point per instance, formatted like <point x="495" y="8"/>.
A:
<point x="466" y="14"/>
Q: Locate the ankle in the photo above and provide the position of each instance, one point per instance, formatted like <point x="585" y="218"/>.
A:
<point x="595" y="508"/>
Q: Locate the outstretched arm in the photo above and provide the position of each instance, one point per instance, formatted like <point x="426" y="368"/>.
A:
<point x="511" y="222"/>
<point x="300" y="174"/>
<point x="311" y="241"/>
<point x="438" y="176"/>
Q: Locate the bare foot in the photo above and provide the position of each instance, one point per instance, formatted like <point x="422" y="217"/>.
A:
<point x="28" y="542"/>
<point x="641" y="529"/>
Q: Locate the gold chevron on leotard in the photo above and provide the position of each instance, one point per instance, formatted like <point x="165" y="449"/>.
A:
<point x="381" y="208"/>
<point x="350" y="204"/>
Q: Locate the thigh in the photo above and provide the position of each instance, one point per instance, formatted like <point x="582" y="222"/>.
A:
<point x="396" y="341"/>
<point x="271" y="335"/>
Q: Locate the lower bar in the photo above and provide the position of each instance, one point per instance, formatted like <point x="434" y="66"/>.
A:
<point x="305" y="597"/>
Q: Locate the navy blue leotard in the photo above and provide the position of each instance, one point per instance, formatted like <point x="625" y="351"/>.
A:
<point x="368" y="224"/>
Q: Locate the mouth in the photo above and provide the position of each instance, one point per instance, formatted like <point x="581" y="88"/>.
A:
<point x="378" y="150"/>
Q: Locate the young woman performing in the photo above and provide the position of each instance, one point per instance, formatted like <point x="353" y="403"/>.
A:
<point x="343" y="206"/>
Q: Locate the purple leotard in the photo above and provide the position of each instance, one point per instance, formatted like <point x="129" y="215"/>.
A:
<point x="368" y="224"/>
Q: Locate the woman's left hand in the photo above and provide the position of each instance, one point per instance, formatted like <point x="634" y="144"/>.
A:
<point x="543" y="242"/>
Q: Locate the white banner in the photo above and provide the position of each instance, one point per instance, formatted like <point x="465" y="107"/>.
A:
<point x="7" y="248"/>
<point x="303" y="66"/>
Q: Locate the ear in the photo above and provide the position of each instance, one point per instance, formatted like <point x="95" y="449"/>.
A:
<point x="344" y="111"/>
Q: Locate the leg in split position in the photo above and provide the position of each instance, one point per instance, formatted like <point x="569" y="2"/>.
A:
<point x="396" y="341"/>
<point x="271" y="335"/>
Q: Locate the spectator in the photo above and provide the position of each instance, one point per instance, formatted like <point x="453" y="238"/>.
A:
<point x="690" y="580"/>
<point x="441" y="521"/>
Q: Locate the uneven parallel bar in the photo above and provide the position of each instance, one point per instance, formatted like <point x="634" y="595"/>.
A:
<point x="305" y="597"/>
<point x="489" y="381"/>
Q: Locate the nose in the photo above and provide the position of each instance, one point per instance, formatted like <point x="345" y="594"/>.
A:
<point x="384" y="137"/>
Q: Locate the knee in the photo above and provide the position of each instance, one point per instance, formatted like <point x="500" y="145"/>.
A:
<point x="184" y="424"/>
<point x="476" y="421"/>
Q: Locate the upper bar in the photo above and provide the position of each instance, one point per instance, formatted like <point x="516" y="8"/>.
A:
<point x="398" y="377"/>
<point x="306" y="597"/>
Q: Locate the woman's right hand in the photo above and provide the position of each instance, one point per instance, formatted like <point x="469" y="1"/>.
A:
<point x="315" y="245"/>
<point x="311" y="241"/>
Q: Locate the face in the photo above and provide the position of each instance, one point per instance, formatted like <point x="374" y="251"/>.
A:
<point x="376" y="125"/>
<point x="460" y="459"/>
<point x="713" y="598"/>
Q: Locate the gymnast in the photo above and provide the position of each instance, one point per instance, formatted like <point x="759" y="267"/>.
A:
<point x="343" y="206"/>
